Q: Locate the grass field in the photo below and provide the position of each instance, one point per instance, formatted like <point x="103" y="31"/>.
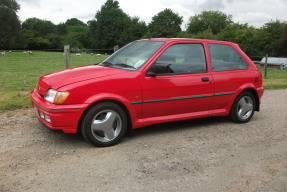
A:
<point x="276" y="79"/>
<point x="19" y="74"/>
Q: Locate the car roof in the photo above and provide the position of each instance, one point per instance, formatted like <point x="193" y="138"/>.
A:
<point x="187" y="40"/>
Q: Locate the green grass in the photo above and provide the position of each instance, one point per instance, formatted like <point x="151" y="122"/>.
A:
<point x="276" y="79"/>
<point x="20" y="72"/>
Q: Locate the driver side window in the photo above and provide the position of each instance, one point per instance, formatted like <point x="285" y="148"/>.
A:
<point x="181" y="59"/>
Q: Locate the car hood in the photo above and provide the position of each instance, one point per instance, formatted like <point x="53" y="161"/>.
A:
<point x="69" y="76"/>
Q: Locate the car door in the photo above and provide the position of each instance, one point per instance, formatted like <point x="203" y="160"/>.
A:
<point x="177" y="85"/>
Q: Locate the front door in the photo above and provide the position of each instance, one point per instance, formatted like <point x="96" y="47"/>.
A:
<point x="180" y="86"/>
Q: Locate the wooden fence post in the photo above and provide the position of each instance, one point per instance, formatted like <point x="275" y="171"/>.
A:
<point x="67" y="56"/>
<point x="117" y="47"/>
<point x="265" y="66"/>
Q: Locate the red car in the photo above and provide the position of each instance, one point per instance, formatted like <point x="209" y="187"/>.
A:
<point x="147" y="82"/>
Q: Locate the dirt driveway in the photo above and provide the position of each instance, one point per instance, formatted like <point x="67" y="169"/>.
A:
<point x="210" y="154"/>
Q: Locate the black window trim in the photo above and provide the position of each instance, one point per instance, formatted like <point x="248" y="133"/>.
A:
<point x="168" y="74"/>
<point x="210" y="61"/>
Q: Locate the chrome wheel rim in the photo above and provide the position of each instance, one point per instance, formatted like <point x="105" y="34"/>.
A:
<point x="106" y="125"/>
<point x="245" y="107"/>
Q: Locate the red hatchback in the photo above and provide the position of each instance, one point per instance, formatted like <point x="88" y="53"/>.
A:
<point x="147" y="82"/>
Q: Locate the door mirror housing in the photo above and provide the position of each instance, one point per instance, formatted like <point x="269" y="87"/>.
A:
<point x="159" y="68"/>
<point x="151" y="74"/>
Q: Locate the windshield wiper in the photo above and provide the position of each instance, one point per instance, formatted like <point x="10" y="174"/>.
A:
<point x="125" y="65"/>
<point x="117" y="64"/>
<point x="106" y="63"/>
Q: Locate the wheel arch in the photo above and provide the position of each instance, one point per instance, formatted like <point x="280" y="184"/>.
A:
<point x="120" y="104"/>
<point x="256" y="97"/>
<point x="253" y="92"/>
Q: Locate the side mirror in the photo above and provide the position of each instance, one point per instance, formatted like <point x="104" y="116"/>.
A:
<point x="151" y="74"/>
<point x="159" y="68"/>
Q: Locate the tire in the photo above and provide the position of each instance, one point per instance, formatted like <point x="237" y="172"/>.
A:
<point x="104" y="124"/>
<point x="243" y="108"/>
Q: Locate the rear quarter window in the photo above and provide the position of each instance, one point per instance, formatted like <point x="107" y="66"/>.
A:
<point x="226" y="58"/>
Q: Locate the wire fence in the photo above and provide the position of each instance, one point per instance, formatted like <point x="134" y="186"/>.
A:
<point x="270" y="62"/>
<point x="45" y="60"/>
<point x="20" y="70"/>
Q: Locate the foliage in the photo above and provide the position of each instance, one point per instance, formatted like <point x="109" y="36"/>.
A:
<point x="112" y="26"/>
<point x="165" y="24"/>
<point x="274" y="31"/>
<point x="206" y="34"/>
<point x="282" y="43"/>
<point x="39" y="26"/>
<point x="247" y="37"/>
<point x="10" y="4"/>
<point x="213" y="20"/>
<point x="75" y="22"/>
<point x="109" y="24"/>
<point x="76" y="36"/>
<point x="136" y="29"/>
<point x="61" y="29"/>
<point x="39" y="34"/>
<point x="9" y="24"/>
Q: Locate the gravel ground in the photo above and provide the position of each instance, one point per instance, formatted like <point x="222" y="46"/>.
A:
<point x="210" y="154"/>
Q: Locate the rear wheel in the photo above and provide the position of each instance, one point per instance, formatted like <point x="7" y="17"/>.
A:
<point x="243" y="108"/>
<point x="104" y="124"/>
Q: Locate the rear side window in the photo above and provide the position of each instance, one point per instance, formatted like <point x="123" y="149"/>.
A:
<point x="183" y="59"/>
<point x="225" y="58"/>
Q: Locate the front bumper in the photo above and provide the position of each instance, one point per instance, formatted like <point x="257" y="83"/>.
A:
<point x="62" y="117"/>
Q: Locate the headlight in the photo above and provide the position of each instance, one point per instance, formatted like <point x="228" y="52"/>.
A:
<point x="50" y="95"/>
<point x="55" y="96"/>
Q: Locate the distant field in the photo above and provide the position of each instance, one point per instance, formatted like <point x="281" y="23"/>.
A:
<point x="19" y="74"/>
<point x="276" y="79"/>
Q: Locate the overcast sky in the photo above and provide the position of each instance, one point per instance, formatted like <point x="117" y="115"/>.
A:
<point x="253" y="12"/>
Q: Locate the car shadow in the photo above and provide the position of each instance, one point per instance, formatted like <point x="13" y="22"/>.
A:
<point x="176" y="126"/>
<point x="59" y="137"/>
<point x="78" y="141"/>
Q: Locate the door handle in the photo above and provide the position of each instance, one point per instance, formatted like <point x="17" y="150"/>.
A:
<point x="204" y="79"/>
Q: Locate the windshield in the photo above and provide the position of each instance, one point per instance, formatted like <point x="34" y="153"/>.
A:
<point x="133" y="55"/>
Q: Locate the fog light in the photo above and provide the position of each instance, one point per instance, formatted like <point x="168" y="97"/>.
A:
<point x="47" y="118"/>
<point x="42" y="115"/>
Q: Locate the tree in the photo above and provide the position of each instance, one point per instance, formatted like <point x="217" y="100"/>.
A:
<point x="215" y="20"/>
<point x="77" y="36"/>
<point x="75" y="33"/>
<point x="274" y="30"/>
<point x="9" y="24"/>
<point x="165" y="24"/>
<point x="61" y="29"/>
<point x="282" y="44"/>
<point x="108" y="25"/>
<point x="251" y="40"/>
<point x="10" y="4"/>
<point x="75" y="22"/>
<point x="41" y="34"/>
<point x="206" y="34"/>
<point x="92" y="33"/>
<point x="40" y="26"/>
<point x="136" y="29"/>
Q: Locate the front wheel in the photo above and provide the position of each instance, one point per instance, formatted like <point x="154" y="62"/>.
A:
<point x="243" y="108"/>
<point x="104" y="124"/>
